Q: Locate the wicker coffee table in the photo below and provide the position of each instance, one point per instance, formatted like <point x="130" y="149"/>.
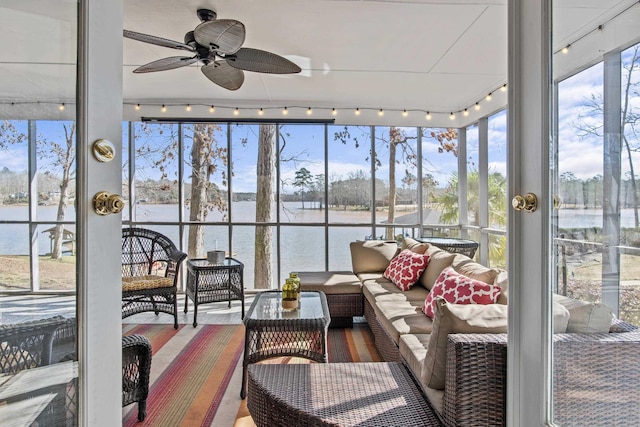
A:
<point x="337" y="394"/>
<point x="272" y="332"/>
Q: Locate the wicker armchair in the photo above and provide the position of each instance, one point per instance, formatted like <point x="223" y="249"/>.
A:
<point x="28" y="345"/>
<point x="150" y="267"/>
<point x="33" y="345"/>
<point x="136" y="367"/>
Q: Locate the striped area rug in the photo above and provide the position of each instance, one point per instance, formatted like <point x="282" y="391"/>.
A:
<point x="196" y="372"/>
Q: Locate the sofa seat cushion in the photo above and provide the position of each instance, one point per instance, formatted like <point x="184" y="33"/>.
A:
<point x="330" y="282"/>
<point x="402" y="317"/>
<point x="413" y="348"/>
<point x="585" y="317"/>
<point x="372" y="256"/>
<point x="383" y="290"/>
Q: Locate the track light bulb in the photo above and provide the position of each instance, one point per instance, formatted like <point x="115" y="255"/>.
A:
<point x="187" y="108"/>
<point x="137" y="107"/>
<point x="488" y="97"/>
<point x="261" y="112"/>
<point x="503" y="88"/>
<point x="163" y="109"/>
<point x="381" y="113"/>
<point x="404" y="113"/>
<point x="212" y="109"/>
<point x="477" y="106"/>
<point x="236" y="112"/>
<point x="452" y="116"/>
<point x="565" y="49"/>
<point x="357" y="112"/>
<point x="285" y="111"/>
<point x="428" y="116"/>
<point x="309" y="111"/>
<point x="334" y="112"/>
<point x="61" y="107"/>
<point x="465" y="112"/>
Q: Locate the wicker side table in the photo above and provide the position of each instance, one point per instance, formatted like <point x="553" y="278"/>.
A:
<point x="272" y="332"/>
<point x="337" y="394"/>
<point x="207" y="282"/>
<point x="454" y="245"/>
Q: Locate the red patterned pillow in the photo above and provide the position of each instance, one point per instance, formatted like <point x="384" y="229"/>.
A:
<point x="458" y="289"/>
<point x="405" y="269"/>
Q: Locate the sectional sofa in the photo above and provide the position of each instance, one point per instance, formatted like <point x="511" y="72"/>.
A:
<point x="458" y="355"/>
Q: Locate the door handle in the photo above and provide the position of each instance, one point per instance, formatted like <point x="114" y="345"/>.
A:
<point x="527" y="203"/>
<point x="105" y="203"/>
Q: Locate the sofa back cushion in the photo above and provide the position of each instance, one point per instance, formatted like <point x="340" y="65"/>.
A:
<point x="413" y="245"/>
<point x="372" y="256"/>
<point x="585" y="317"/>
<point x="452" y="319"/>
<point x="465" y="265"/>
<point x="438" y="260"/>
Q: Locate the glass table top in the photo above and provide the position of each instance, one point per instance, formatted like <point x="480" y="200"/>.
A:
<point x="268" y="306"/>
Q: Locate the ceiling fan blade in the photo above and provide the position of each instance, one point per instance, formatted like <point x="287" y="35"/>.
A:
<point x="262" y="61"/>
<point x="223" y="35"/>
<point x="157" y="40"/>
<point x="166" y="64"/>
<point x="224" y="75"/>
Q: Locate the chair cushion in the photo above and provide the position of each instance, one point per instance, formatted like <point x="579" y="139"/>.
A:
<point x="382" y="289"/>
<point x="402" y="317"/>
<point x="405" y="269"/>
<point x="139" y="283"/>
<point x="459" y="289"/>
<point x="458" y="318"/>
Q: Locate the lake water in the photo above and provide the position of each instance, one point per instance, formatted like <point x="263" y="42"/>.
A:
<point x="302" y="247"/>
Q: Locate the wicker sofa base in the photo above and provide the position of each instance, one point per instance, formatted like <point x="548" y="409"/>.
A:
<point x="384" y="343"/>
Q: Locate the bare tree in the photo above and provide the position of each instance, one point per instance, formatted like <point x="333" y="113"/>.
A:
<point x="594" y="105"/>
<point x="264" y="206"/>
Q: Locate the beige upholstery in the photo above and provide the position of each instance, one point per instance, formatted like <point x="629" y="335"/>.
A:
<point x="438" y="261"/>
<point x="458" y="318"/>
<point x="402" y="317"/>
<point x="330" y="282"/>
<point x="383" y="290"/>
<point x="468" y="267"/>
<point x="414" y="246"/>
<point x="371" y="256"/>
<point x="586" y="317"/>
<point x="502" y="281"/>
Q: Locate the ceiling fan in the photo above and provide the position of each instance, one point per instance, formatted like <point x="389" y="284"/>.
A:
<point x="217" y="43"/>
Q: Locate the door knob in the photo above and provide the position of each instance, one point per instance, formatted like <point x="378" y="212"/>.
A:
<point x="105" y="203"/>
<point x="527" y="203"/>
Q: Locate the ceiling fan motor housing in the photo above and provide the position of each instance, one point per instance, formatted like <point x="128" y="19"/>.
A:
<point x="206" y="15"/>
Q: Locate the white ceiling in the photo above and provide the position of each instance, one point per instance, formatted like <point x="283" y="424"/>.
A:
<point x="420" y="55"/>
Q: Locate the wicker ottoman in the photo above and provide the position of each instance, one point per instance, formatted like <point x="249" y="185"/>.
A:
<point x="336" y="394"/>
<point x="343" y="290"/>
